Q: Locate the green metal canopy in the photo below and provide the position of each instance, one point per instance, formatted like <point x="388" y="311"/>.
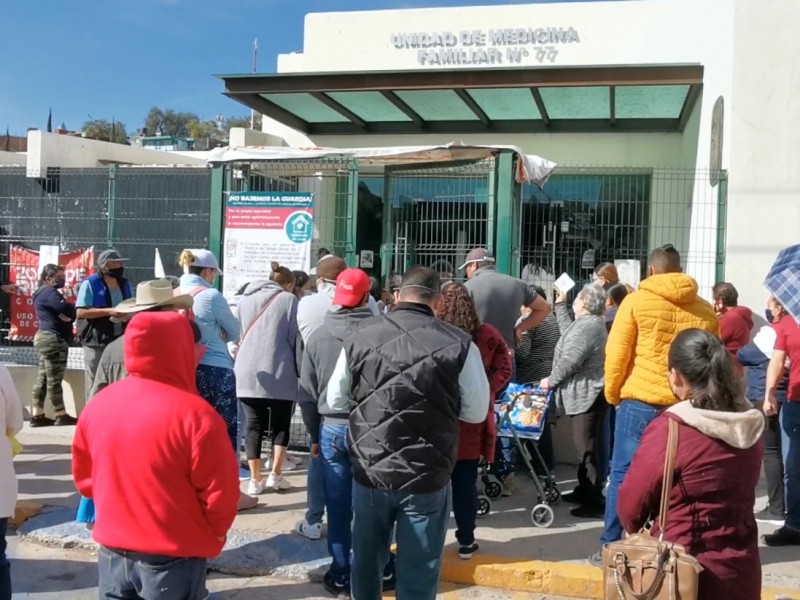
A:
<point x="503" y="100"/>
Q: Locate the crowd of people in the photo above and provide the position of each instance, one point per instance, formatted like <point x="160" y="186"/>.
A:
<point x="397" y="388"/>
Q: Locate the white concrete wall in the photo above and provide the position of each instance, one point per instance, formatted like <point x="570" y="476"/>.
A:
<point x="54" y="150"/>
<point x="13" y="159"/>
<point x="656" y="32"/>
<point x="764" y="189"/>
<point x="74" y="389"/>
<point x="241" y="136"/>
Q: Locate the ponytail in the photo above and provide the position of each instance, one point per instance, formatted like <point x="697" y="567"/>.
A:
<point x="185" y="260"/>
<point x="708" y="368"/>
<point x="280" y="275"/>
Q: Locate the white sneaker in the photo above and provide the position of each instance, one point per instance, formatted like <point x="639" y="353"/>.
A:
<point x="311" y="531"/>
<point x="254" y="488"/>
<point x="288" y="465"/>
<point x="295" y="460"/>
<point x="278" y="483"/>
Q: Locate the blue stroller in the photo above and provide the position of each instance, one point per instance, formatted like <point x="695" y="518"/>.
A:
<point x="522" y="415"/>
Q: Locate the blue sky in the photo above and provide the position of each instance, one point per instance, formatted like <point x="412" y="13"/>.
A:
<point x="117" y="58"/>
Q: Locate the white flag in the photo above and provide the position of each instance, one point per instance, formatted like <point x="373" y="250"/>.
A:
<point x="159" y="267"/>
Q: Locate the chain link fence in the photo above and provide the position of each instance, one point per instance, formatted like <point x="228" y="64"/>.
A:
<point x="133" y="209"/>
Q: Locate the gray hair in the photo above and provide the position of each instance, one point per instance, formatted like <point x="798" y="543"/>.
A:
<point x="594" y="299"/>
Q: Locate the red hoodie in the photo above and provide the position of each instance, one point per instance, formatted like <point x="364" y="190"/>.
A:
<point x="734" y="328"/>
<point x="478" y="439"/>
<point x="154" y="455"/>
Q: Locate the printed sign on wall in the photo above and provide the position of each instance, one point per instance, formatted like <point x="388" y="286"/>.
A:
<point x="261" y="227"/>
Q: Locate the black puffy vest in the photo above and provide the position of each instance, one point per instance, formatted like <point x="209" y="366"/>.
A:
<point x="404" y="425"/>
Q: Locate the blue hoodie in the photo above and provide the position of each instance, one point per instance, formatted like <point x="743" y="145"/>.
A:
<point x="756" y="356"/>
<point x="215" y="319"/>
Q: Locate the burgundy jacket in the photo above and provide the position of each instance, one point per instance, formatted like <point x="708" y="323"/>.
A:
<point x="478" y="439"/>
<point x="711" y="505"/>
<point x="735" y="325"/>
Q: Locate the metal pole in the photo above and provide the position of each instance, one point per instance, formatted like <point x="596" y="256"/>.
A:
<point x="255" y="68"/>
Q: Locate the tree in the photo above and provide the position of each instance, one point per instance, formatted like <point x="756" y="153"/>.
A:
<point x="106" y="131"/>
<point x="231" y="122"/>
<point x="200" y="130"/>
<point x="169" y="122"/>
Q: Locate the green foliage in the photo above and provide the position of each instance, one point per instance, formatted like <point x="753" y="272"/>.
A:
<point x="105" y="130"/>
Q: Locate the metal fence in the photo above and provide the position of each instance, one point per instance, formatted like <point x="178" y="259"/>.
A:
<point x="133" y="209"/>
<point x="583" y="217"/>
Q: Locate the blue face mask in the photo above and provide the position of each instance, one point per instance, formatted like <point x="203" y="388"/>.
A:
<point x="768" y="315"/>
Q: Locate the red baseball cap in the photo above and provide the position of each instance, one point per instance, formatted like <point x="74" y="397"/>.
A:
<point x="351" y="287"/>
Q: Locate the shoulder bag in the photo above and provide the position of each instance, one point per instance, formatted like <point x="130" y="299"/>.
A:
<point x="642" y="567"/>
<point x="257" y="317"/>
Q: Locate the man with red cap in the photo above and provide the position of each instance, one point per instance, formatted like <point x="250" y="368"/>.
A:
<point x="327" y="427"/>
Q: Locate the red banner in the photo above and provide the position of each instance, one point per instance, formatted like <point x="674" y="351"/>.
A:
<point x="24" y="272"/>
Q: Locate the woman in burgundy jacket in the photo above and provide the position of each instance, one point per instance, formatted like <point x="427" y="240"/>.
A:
<point x="476" y="440"/>
<point x="716" y="472"/>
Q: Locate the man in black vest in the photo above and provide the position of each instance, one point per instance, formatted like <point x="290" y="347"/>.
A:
<point x="408" y="379"/>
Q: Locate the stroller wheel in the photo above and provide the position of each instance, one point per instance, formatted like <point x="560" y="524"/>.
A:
<point x="484" y="507"/>
<point x="542" y="515"/>
<point x="493" y="489"/>
<point x="552" y="495"/>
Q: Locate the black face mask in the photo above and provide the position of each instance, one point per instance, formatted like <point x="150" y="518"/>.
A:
<point x="116" y="273"/>
<point x="768" y="315"/>
<point x="59" y="283"/>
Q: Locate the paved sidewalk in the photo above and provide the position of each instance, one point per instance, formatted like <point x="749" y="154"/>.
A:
<point x="261" y="542"/>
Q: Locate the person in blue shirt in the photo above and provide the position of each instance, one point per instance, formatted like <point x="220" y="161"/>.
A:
<point x="216" y="381"/>
<point x="98" y="295"/>
<point x="51" y="342"/>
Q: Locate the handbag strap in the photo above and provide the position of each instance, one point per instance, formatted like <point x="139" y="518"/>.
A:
<point x="669" y="473"/>
<point x="257" y="317"/>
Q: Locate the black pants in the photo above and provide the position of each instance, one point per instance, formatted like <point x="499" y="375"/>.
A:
<point x="773" y="466"/>
<point x="465" y="499"/>
<point x="133" y="576"/>
<point x="587" y="434"/>
<point x="263" y="415"/>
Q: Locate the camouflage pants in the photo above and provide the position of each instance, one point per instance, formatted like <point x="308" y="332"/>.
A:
<point x="52" y="350"/>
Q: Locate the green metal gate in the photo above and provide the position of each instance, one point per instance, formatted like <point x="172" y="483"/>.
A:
<point x="433" y="215"/>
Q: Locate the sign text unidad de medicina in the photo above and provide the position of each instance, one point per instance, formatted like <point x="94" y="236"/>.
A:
<point x="485" y="47"/>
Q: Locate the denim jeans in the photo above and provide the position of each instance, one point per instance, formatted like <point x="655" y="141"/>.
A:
<point x="5" y="567"/>
<point x="465" y="499"/>
<point x="338" y="485"/>
<point x="315" y="492"/>
<point x="421" y="521"/>
<point x="632" y="419"/>
<point x="790" y="442"/>
<point x="125" y="575"/>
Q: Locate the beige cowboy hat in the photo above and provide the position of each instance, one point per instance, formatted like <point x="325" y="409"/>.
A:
<point x="154" y="294"/>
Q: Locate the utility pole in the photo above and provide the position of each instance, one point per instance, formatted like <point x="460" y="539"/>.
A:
<point x="255" y="68"/>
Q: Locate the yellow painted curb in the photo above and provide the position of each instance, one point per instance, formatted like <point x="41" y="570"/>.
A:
<point x="24" y="510"/>
<point x="543" y="577"/>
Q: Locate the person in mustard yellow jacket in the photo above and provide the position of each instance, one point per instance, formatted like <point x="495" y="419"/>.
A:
<point x="636" y="365"/>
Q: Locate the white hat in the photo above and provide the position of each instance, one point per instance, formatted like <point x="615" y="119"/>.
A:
<point x="204" y="259"/>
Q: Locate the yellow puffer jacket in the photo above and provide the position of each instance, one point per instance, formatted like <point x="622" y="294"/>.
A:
<point x="645" y="326"/>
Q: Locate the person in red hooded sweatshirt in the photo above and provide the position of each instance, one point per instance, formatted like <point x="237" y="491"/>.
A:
<point x="475" y="440"/>
<point x="735" y="322"/>
<point x="165" y="488"/>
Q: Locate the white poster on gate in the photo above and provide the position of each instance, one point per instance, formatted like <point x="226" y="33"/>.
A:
<point x="261" y="227"/>
<point x="629" y="271"/>
<point x="48" y="255"/>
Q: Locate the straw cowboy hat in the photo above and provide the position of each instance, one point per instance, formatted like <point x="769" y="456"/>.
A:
<point x="154" y="294"/>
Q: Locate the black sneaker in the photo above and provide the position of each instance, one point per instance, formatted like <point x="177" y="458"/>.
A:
<point x="576" y="496"/>
<point x="389" y="574"/>
<point x="466" y="552"/>
<point x="589" y="511"/>
<point x="338" y="587"/>
<point x="62" y="420"/>
<point x="42" y="421"/>
<point x="783" y="537"/>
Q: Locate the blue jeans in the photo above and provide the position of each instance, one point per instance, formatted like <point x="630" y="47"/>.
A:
<point x="5" y="566"/>
<point x="338" y="485"/>
<point x="421" y="521"/>
<point x="125" y="575"/>
<point x="632" y="419"/>
<point x="790" y="443"/>
<point x="315" y="492"/>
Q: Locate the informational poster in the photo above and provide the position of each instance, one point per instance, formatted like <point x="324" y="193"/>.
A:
<point x="262" y="227"/>
<point x="25" y="272"/>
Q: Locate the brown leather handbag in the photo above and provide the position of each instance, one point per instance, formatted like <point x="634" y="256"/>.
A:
<point x="642" y="567"/>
